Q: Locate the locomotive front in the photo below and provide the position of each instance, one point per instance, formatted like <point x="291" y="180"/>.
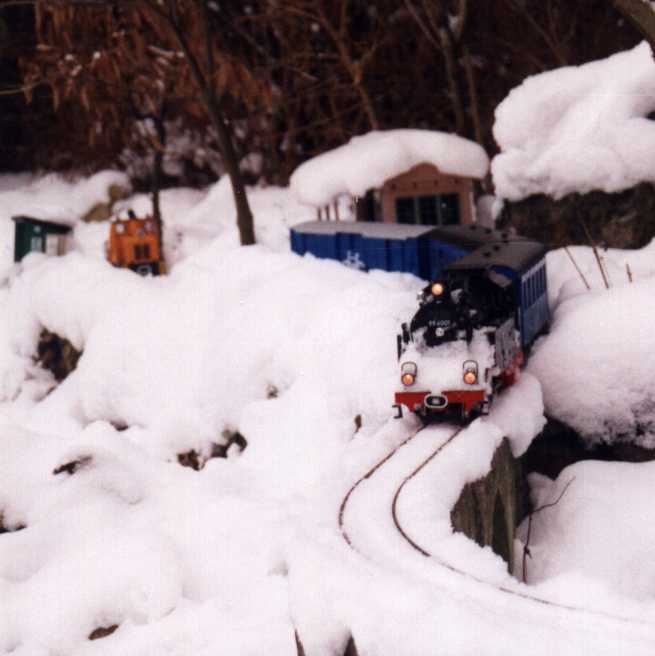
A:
<point x="460" y="347"/>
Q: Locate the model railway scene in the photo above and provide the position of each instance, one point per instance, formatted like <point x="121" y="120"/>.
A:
<point x="326" y="328"/>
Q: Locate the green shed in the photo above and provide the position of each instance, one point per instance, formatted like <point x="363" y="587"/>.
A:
<point x="38" y="236"/>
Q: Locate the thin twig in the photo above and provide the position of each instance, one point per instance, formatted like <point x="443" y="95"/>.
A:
<point x="526" y="547"/>
<point x="627" y="268"/>
<point x="599" y="261"/>
<point x="577" y="268"/>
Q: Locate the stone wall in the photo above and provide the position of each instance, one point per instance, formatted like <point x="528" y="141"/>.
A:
<point x="488" y="510"/>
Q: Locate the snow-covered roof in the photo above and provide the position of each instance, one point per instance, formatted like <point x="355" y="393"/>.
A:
<point x="578" y="128"/>
<point x="367" y="161"/>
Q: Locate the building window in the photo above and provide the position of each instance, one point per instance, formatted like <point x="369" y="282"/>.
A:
<point x="428" y="210"/>
<point x="405" y="212"/>
<point x="449" y="209"/>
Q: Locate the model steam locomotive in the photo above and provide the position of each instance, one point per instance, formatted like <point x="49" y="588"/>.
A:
<point x="472" y="330"/>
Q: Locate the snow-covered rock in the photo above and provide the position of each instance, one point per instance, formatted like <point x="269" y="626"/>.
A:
<point x="577" y="129"/>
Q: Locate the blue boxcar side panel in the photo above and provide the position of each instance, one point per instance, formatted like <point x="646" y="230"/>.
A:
<point x="297" y="243"/>
<point x="399" y="253"/>
<point x="422" y="256"/>
<point x="375" y="253"/>
<point x="323" y="246"/>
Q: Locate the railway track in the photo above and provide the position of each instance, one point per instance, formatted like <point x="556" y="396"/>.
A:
<point x="367" y="475"/>
<point x="440" y="561"/>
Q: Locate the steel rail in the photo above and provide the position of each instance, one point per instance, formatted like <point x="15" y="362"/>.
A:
<point x="367" y="475"/>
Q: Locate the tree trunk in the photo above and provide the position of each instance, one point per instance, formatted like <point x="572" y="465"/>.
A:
<point x="157" y="175"/>
<point x="245" y="221"/>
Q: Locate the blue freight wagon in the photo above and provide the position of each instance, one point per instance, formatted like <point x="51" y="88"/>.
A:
<point x="421" y="250"/>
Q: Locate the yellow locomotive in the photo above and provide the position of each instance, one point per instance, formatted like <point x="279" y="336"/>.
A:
<point x="134" y="243"/>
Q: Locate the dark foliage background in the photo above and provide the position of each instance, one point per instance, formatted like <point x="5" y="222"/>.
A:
<point x="294" y="77"/>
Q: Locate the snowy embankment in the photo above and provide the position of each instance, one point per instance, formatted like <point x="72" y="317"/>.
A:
<point x="596" y="366"/>
<point x="577" y="129"/>
<point x="292" y="352"/>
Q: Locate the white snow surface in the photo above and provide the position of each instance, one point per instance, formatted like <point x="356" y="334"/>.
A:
<point x="367" y="161"/>
<point x="571" y="536"/>
<point x="578" y="129"/>
<point x="596" y="366"/>
<point x="235" y="557"/>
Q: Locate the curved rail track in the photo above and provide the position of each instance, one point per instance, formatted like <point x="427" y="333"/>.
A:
<point x="437" y="559"/>
<point x="367" y="475"/>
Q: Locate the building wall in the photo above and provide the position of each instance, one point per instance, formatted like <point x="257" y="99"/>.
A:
<point x="426" y="179"/>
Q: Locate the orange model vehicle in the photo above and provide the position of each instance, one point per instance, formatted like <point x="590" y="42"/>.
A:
<point x="134" y="244"/>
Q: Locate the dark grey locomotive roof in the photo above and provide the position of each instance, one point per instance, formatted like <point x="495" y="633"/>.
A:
<point x="472" y="235"/>
<point x="518" y="256"/>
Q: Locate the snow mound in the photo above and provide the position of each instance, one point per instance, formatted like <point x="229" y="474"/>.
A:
<point x="53" y="197"/>
<point x="112" y="538"/>
<point x="369" y="160"/>
<point x="596" y="366"/>
<point x="572" y="537"/>
<point x="242" y="324"/>
<point x="578" y="129"/>
<point x="274" y="211"/>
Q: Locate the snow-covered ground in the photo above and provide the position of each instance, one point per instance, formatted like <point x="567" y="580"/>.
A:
<point x="296" y="354"/>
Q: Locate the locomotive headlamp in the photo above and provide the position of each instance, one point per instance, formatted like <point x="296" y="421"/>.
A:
<point x="408" y="371"/>
<point x="470" y="376"/>
<point x="437" y="289"/>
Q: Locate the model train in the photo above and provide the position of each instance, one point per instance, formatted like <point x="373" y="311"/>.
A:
<point x="134" y="244"/>
<point x="477" y="319"/>
<point x="473" y="328"/>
